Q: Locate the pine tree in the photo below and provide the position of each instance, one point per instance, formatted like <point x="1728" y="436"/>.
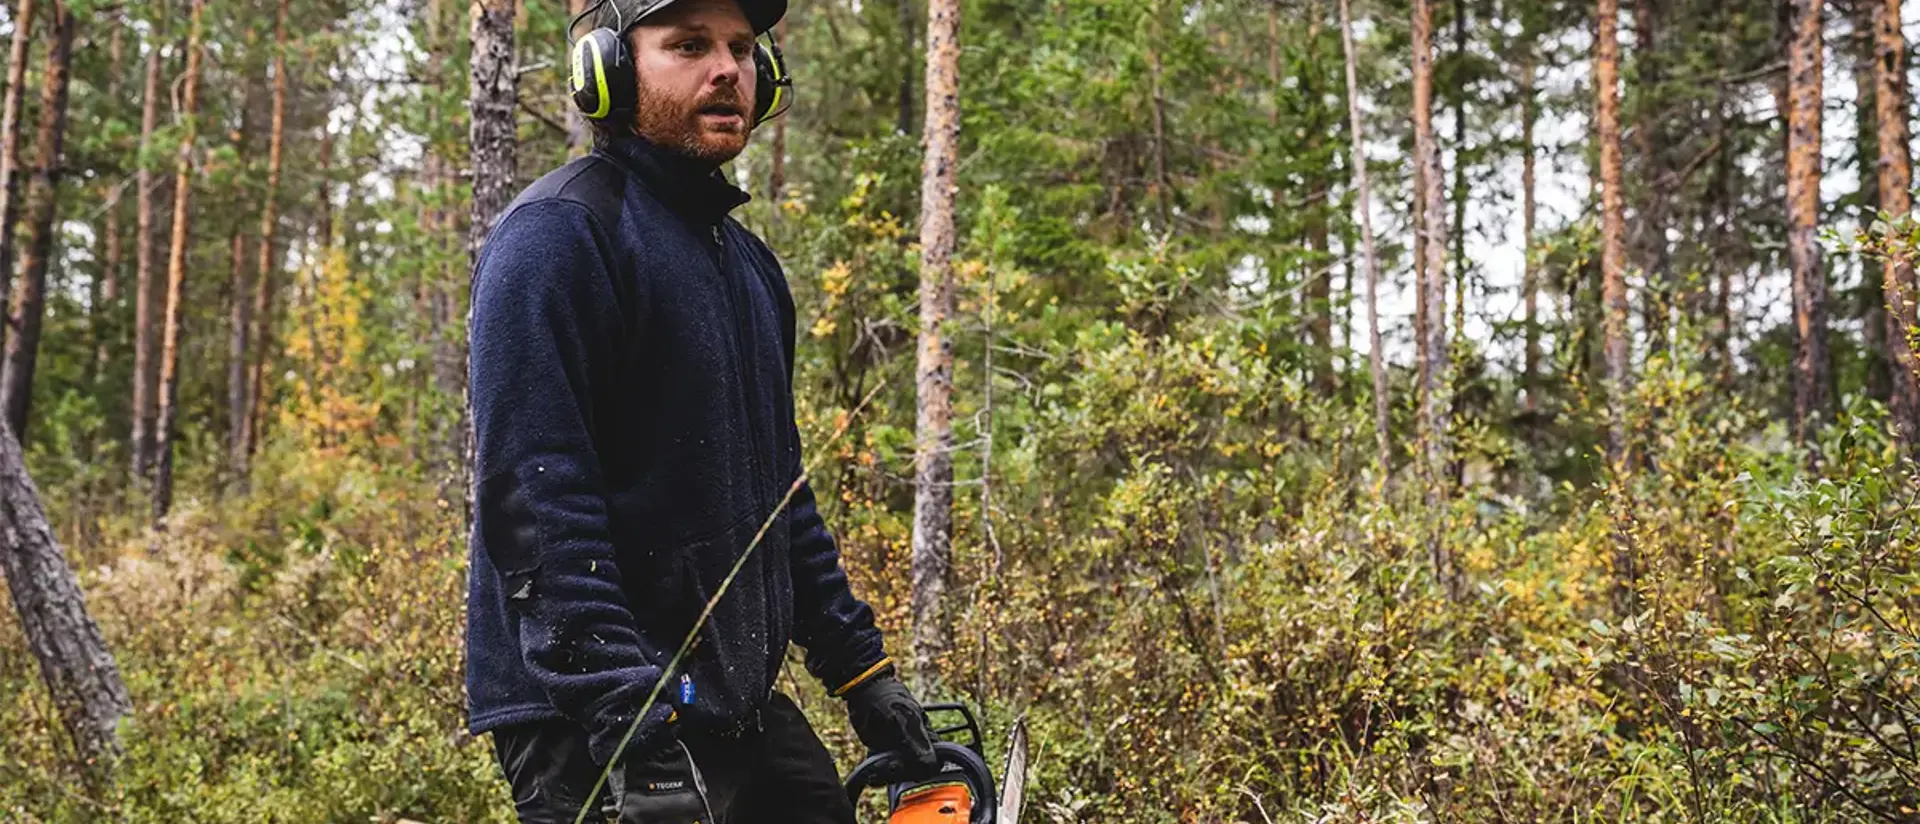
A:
<point x="29" y="304"/>
<point x="1613" y="253"/>
<point x="146" y="375"/>
<point x="933" y="430"/>
<point x="1812" y="373"/>
<point x="10" y="141"/>
<point x="177" y="273"/>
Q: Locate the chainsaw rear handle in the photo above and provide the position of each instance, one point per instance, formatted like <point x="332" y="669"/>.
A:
<point x="879" y="769"/>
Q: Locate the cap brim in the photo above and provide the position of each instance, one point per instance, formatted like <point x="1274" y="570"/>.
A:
<point x="762" y="15"/>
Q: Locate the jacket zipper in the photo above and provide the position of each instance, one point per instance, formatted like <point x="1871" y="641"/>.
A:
<point x="748" y="368"/>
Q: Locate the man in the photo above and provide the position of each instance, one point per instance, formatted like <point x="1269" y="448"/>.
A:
<point x="631" y="374"/>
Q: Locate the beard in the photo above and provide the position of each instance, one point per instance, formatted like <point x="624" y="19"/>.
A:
<point x="678" y="126"/>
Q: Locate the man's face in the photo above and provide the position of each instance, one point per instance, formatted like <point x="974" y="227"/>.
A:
<point x="695" y="65"/>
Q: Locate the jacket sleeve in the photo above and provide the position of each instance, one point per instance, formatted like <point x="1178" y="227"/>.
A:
<point x="843" y="645"/>
<point x="545" y="318"/>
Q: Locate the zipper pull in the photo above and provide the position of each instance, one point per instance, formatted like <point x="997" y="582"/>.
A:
<point x="716" y="235"/>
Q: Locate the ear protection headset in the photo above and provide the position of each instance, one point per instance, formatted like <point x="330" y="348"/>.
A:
<point x="603" y="83"/>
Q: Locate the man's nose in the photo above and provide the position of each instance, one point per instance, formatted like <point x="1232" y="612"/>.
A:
<point x="726" y="72"/>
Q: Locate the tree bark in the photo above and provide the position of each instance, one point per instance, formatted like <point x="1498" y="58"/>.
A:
<point x="1896" y="198"/>
<point x="491" y="96"/>
<point x="10" y="141"/>
<point x="1811" y="371"/>
<point x="1162" y="184"/>
<point x="269" y="228"/>
<point x="1613" y="254"/>
<point x="1877" y="362"/>
<point x="1319" y="289"/>
<point x="1529" y="208"/>
<point x="29" y="305"/>
<point x="239" y="323"/>
<point x="105" y="314"/>
<point x="75" y="664"/>
<point x="933" y="459"/>
<point x="1433" y="367"/>
<point x="1613" y="275"/>
<point x="1376" y="359"/>
<point x="177" y="274"/>
<point x="240" y="307"/>
<point x="1462" y="265"/>
<point x="145" y="341"/>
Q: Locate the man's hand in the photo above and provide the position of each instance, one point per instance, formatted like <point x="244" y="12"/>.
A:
<point x="888" y="720"/>
<point x="661" y="788"/>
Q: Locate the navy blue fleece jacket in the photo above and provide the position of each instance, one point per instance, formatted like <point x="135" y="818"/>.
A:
<point x="631" y="381"/>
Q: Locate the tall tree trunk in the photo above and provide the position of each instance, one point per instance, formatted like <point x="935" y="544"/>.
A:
<point x="1872" y="306"/>
<point x="1811" y="371"/>
<point x="1433" y="368"/>
<point x="145" y="341"/>
<point x="177" y="274"/>
<point x="933" y="431"/>
<point x="1421" y="358"/>
<point x="239" y="309"/>
<point x="1613" y="274"/>
<point x="491" y="96"/>
<point x="29" y="305"/>
<point x="1651" y="139"/>
<point x="1613" y="255"/>
<point x="75" y="663"/>
<point x="1319" y="289"/>
<point x="10" y="141"/>
<point x="239" y="323"/>
<point x="1162" y="184"/>
<point x="1723" y="265"/>
<point x="1529" y="207"/>
<point x="1896" y="197"/>
<point x="1461" y="264"/>
<point x="269" y="227"/>
<point x="1357" y="133"/>
<point x="105" y="314"/>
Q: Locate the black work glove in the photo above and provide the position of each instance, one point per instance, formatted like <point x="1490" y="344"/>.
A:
<point x="889" y="721"/>
<point x="661" y="788"/>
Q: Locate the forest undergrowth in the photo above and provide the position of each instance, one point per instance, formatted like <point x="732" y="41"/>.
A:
<point x="1196" y="640"/>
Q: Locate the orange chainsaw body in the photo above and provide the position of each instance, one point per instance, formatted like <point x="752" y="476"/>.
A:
<point x="943" y="803"/>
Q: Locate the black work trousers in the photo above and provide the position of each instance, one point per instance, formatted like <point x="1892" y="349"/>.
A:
<point x="778" y="774"/>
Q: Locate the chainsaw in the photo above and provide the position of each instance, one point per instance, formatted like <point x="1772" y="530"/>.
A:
<point x="962" y="792"/>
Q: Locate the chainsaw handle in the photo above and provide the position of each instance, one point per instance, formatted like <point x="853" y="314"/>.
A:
<point x="868" y="774"/>
<point x="880" y="769"/>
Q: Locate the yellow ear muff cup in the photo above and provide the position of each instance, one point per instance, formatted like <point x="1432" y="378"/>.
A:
<point x="772" y="85"/>
<point x="597" y="62"/>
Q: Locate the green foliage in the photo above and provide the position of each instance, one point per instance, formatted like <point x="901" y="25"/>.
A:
<point x="1176" y="555"/>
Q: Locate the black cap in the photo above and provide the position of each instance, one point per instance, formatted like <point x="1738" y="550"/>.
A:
<point x="621" y="15"/>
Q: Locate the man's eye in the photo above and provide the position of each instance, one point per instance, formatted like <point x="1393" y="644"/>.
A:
<point x="690" y="47"/>
<point x="742" y="51"/>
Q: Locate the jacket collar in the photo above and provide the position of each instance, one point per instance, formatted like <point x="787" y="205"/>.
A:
<point x="695" y="190"/>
